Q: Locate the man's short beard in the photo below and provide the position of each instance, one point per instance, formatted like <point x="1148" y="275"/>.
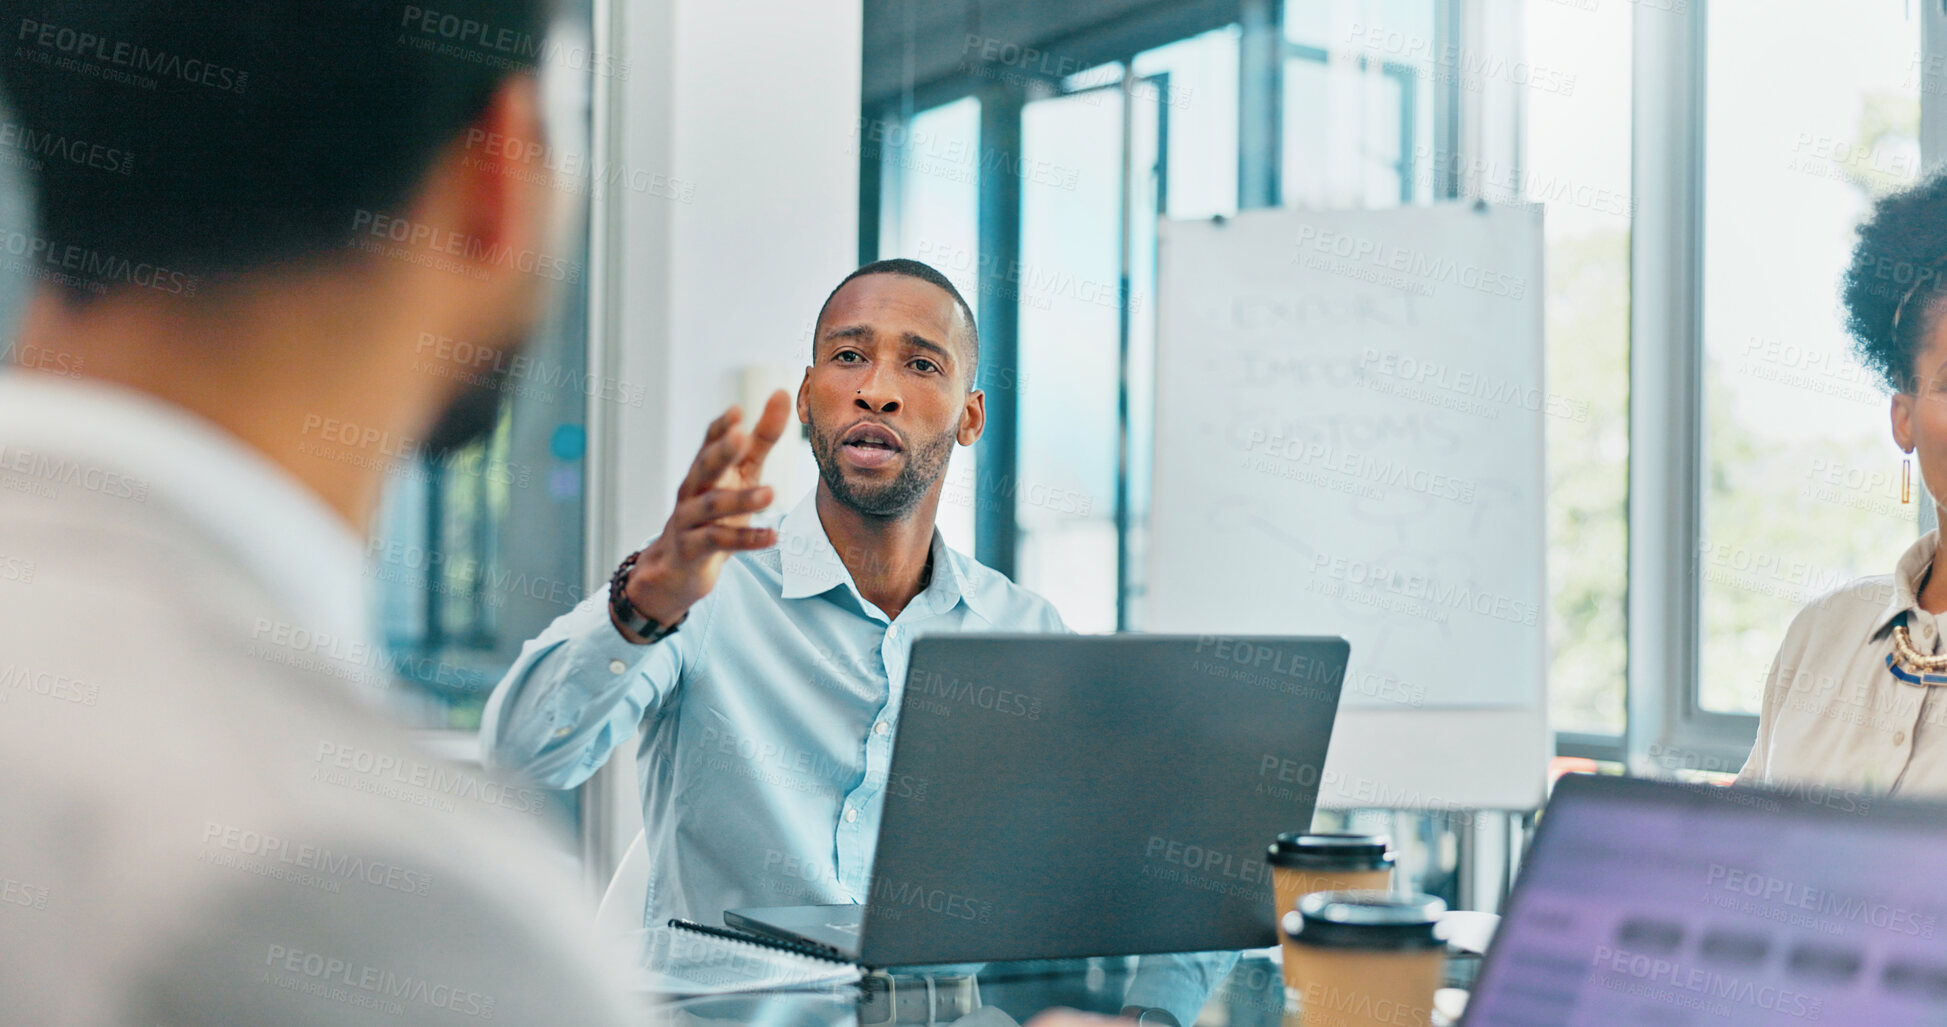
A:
<point x="925" y="466"/>
<point x="469" y="417"/>
<point x="473" y="414"/>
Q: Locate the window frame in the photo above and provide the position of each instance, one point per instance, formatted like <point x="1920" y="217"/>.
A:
<point x="1408" y="79"/>
<point x="1664" y="728"/>
<point x="1655" y="651"/>
<point x="1667" y="728"/>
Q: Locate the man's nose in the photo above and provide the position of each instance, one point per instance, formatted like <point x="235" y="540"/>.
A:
<point x="877" y="394"/>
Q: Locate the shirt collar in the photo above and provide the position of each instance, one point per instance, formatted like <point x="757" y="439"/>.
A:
<point x="810" y="566"/>
<point x="279" y="531"/>
<point x="1907" y="576"/>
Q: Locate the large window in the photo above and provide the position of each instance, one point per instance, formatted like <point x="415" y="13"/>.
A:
<point x="1402" y="102"/>
<point x="1812" y="112"/>
<point x="929" y="166"/>
<point x="1361" y="83"/>
<point x="1080" y="283"/>
<point x="1770" y="129"/>
<point x="1762" y="473"/>
<point x="1370" y="102"/>
<point x="1121" y="145"/>
<point x="1184" y="157"/>
<point x="1071" y="331"/>
<point x="1367" y="103"/>
<point x="1575" y="160"/>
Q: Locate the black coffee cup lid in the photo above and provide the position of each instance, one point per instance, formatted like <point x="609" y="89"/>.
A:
<point x="1366" y="920"/>
<point x="1307" y="851"/>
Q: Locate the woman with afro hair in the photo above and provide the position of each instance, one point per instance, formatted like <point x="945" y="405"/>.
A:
<point x="1857" y="698"/>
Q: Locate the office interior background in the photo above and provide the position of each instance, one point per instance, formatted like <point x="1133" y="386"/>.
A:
<point x="1715" y="458"/>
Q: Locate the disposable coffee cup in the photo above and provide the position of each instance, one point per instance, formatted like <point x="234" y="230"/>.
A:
<point x="1302" y="863"/>
<point x="1364" y="958"/>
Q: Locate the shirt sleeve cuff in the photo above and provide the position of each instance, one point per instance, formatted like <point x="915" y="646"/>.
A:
<point x="1180" y="983"/>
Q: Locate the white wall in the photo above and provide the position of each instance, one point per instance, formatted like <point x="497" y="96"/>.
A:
<point x="754" y="107"/>
<point x="750" y="111"/>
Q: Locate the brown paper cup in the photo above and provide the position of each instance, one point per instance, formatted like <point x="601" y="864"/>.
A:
<point x="1363" y="958"/>
<point x="1356" y="988"/>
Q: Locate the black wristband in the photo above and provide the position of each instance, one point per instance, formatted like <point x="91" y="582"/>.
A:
<point x="635" y="621"/>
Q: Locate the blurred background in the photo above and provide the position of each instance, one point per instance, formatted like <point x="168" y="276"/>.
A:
<point x="721" y="166"/>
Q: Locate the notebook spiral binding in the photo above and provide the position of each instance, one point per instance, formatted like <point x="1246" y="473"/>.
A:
<point x="801" y="948"/>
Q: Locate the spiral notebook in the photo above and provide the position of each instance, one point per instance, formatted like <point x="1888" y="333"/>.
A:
<point x="684" y="959"/>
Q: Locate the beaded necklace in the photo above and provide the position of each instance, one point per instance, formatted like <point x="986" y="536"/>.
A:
<point x="1910" y="666"/>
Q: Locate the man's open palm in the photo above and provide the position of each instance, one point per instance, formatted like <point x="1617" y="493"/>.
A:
<point x="712" y="515"/>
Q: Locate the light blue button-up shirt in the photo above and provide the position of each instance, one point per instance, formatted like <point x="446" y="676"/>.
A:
<point x="767" y="721"/>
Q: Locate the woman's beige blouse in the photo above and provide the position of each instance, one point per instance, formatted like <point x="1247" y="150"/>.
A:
<point x="1834" y="715"/>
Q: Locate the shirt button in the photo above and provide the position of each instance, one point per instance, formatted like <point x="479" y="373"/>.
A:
<point x="880" y="728"/>
<point x="617" y="666"/>
<point x="1899" y="738"/>
<point x="851" y="816"/>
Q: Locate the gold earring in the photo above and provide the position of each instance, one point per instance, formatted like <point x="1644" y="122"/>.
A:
<point x="1906" y="480"/>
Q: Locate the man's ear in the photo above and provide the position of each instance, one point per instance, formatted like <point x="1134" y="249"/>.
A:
<point x="480" y="191"/>
<point x="804" y="398"/>
<point x="973" y="418"/>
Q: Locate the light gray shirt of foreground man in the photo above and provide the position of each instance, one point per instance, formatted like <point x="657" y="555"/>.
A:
<point x="769" y="715"/>
<point x="204" y="818"/>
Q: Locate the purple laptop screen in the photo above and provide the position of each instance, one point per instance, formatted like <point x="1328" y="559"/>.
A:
<point x="1661" y="904"/>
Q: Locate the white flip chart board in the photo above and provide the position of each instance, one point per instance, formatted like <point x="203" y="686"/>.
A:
<point x="1350" y="411"/>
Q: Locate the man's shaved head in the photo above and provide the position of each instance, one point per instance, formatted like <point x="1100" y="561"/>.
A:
<point x="925" y="273"/>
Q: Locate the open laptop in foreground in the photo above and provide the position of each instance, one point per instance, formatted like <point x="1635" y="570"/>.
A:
<point x="1067" y="795"/>
<point x="1653" y="903"/>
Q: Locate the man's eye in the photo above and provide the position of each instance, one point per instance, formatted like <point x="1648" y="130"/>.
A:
<point x="845" y="356"/>
<point x="924" y="364"/>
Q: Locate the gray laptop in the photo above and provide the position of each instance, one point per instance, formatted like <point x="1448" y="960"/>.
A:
<point x="1070" y="795"/>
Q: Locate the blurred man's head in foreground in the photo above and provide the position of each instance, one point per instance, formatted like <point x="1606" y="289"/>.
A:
<point x="191" y="156"/>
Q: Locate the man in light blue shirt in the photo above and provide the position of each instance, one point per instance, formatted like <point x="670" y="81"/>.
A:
<point x="766" y="668"/>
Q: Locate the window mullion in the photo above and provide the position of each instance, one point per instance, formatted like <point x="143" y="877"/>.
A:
<point x="1665" y="395"/>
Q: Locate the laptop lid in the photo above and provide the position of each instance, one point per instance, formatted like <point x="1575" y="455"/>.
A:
<point x="1071" y="795"/>
<point x="1647" y="902"/>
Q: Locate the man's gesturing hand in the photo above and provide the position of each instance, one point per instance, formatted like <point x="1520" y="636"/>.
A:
<point x="712" y="516"/>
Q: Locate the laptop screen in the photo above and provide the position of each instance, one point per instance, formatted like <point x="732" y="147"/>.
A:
<point x="1652" y="903"/>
